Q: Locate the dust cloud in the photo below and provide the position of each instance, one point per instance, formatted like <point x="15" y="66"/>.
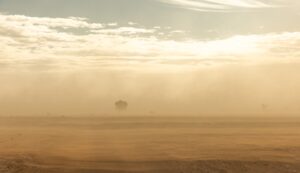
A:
<point x="212" y="90"/>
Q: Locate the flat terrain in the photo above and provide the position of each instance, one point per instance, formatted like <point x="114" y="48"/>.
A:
<point x="149" y="145"/>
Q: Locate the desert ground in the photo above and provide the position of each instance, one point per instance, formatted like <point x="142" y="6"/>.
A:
<point x="152" y="144"/>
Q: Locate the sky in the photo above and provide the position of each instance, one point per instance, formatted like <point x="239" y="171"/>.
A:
<point x="199" y="57"/>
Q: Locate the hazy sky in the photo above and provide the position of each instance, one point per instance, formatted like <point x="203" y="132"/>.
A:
<point x="162" y="56"/>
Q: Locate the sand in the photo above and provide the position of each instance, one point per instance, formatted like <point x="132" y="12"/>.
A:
<point x="149" y="145"/>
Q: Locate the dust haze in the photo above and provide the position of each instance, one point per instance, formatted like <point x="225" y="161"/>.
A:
<point x="232" y="89"/>
<point x="227" y="119"/>
<point x="149" y="86"/>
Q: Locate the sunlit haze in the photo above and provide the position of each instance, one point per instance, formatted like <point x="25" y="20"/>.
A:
<point x="238" y="57"/>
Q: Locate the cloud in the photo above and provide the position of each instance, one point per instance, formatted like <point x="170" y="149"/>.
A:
<point x="125" y="30"/>
<point x="219" y="5"/>
<point x="55" y="43"/>
<point x="71" y="22"/>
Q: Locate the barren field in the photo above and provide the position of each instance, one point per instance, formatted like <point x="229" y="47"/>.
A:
<point x="149" y="145"/>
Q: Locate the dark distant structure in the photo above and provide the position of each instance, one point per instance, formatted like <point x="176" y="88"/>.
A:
<point x="121" y="105"/>
<point x="264" y="107"/>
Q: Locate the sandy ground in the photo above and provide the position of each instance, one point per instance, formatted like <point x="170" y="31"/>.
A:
<point x="149" y="145"/>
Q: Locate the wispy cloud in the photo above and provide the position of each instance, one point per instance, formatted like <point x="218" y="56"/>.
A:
<point x="219" y="5"/>
<point x="43" y="42"/>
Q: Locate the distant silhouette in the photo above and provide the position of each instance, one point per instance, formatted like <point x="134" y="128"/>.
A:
<point x="264" y="107"/>
<point x="121" y="105"/>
